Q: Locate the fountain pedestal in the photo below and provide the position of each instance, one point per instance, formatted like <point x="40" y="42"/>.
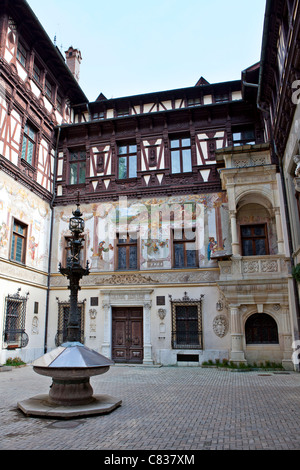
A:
<point x="71" y="394"/>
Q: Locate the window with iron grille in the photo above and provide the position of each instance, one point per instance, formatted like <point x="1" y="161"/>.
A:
<point x="63" y="318"/>
<point x="261" y="328"/>
<point x="15" y="316"/>
<point x="187" y="323"/>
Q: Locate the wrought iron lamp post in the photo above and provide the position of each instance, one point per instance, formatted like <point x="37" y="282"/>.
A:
<point x="74" y="272"/>
<point x="71" y="364"/>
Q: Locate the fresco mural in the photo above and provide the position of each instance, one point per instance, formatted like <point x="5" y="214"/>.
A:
<point x="18" y="203"/>
<point x="201" y="219"/>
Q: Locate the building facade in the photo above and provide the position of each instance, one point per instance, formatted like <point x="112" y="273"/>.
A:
<point x="186" y="231"/>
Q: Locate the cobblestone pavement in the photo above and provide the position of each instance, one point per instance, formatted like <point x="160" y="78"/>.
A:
<point x="163" y="408"/>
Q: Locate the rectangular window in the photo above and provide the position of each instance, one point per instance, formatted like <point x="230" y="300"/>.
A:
<point x="15" y="314"/>
<point x="254" y="240"/>
<point x="77" y="167"/>
<point x="48" y="89"/>
<point x="123" y="111"/>
<point x="127" y="252"/>
<point x="29" y="144"/>
<point x="18" y="243"/>
<point x="181" y="155"/>
<point x="22" y="54"/>
<point x="184" y="249"/>
<point x="243" y="136"/>
<point x="221" y="98"/>
<point x="59" y="103"/>
<point x="187" y="323"/>
<point x="36" y="73"/>
<point x="127" y="161"/>
<point x="193" y="102"/>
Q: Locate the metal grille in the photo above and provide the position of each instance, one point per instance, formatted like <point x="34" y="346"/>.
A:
<point x="63" y="318"/>
<point x="187" y="323"/>
<point x="15" y="316"/>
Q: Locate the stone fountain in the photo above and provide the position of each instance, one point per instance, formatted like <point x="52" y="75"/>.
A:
<point x="72" y="364"/>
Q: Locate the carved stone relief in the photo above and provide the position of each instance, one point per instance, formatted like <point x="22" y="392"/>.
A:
<point x="220" y="326"/>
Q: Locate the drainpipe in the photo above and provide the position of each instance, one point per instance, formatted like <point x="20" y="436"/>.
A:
<point x="50" y="242"/>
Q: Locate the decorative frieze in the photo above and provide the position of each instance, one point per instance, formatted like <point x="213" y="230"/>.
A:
<point x="137" y="279"/>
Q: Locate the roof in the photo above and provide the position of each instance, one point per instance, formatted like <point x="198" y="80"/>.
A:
<point x="35" y="35"/>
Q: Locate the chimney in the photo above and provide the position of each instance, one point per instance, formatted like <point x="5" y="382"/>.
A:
<point x="73" y="58"/>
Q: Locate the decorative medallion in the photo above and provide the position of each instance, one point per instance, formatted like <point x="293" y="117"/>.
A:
<point x="220" y="326"/>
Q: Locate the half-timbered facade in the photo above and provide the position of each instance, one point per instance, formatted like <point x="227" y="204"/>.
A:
<point x="185" y="229"/>
<point x="37" y="93"/>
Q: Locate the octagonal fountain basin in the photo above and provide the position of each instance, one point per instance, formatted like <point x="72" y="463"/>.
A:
<point x="71" y="365"/>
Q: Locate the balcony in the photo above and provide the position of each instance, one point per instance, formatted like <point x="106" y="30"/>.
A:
<point x="254" y="267"/>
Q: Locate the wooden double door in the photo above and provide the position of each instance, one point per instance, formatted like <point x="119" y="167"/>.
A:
<point x="127" y="334"/>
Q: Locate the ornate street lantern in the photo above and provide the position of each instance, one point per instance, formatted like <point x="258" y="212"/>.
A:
<point x="76" y="224"/>
<point x="74" y="272"/>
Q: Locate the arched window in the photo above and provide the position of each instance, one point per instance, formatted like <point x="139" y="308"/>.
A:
<point x="261" y="328"/>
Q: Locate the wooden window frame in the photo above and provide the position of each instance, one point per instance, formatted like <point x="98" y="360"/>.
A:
<point x="254" y="237"/>
<point x="127" y="245"/>
<point x="15" y="236"/>
<point x="26" y="141"/>
<point x="22" y="55"/>
<point x="183" y="241"/>
<point x="243" y="139"/>
<point x="37" y="73"/>
<point x="129" y="153"/>
<point x="181" y="148"/>
<point x="49" y="89"/>
<point x="77" y="162"/>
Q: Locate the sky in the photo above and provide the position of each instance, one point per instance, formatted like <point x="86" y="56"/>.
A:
<point x="131" y="47"/>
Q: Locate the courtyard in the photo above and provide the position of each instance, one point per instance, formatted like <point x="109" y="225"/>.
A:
<point x="163" y="409"/>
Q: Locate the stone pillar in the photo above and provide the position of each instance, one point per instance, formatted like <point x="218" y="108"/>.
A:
<point x="106" y="345"/>
<point x="280" y="241"/>
<point x="287" y="360"/>
<point x="237" y="353"/>
<point x="235" y="240"/>
<point x="147" y="333"/>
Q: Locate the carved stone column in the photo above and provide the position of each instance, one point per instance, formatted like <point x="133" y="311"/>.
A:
<point x="237" y="353"/>
<point x="106" y="345"/>
<point x="280" y="241"/>
<point x="287" y="361"/>
<point x="147" y="333"/>
<point x="235" y="241"/>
